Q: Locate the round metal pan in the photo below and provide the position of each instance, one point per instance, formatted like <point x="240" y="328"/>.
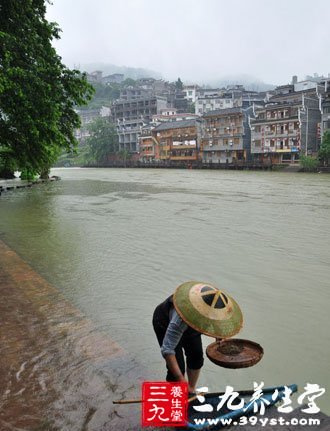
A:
<point x="234" y="353"/>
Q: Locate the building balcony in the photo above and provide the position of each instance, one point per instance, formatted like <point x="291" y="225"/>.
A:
<point x="217" y="135"/>
<point x="285" y="149"/>
<point x="255" y="121"/>
<point x="232" y="147"/>
<point x="274" y="134"/>
<point x="256" y="150"/>
<point x="194" y="157"/>
<point x="183" y="147"/>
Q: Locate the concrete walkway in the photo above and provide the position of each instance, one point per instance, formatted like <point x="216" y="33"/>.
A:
<point x="17" y="183"/>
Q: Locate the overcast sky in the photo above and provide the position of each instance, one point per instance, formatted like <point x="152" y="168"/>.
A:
<point x="198" y="40"/>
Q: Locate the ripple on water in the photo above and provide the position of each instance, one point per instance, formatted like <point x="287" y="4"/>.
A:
<point x="117" y="242"/>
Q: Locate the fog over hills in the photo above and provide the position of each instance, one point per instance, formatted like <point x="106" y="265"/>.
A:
<point x="129" y="72"/>
<point x="250" y="82"/>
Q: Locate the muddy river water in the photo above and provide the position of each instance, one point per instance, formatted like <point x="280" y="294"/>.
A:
<point x="105" y="246"/>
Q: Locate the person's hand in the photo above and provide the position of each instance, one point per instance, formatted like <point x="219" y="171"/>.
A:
<point x="181" y="378"/>
<point x="191" y="389"/>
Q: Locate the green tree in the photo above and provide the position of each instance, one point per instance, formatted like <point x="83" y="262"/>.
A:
<point x="8" y="163"/>
<point x="38" y="93"/>
<point x="179" y="84"/>
<point x="124" y="155"/>
<point x="103" y="140"/>
<point x="191" y="107"/>
<point x="324" y="152"/>
<point x="308" y="163"/>
<point x="128" y="82"/>
<point x="104" y="95"/>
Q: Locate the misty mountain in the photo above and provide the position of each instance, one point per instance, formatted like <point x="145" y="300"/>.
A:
<point x="250" y="82"/>
<point x="129" y="72"/>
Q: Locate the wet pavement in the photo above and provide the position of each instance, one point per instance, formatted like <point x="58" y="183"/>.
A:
<point x="57" y="373"/>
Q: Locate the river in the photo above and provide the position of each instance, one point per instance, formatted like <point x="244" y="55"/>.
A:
<point x="116" y="242"/>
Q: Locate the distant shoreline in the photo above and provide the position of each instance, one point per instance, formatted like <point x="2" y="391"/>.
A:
<point x="247" y="166"/>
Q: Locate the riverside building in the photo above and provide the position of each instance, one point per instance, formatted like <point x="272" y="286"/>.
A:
<point x="132" y="112"/>
<point x="286" y="127"/>
<point x="176" y="142"/>
<point x="225" y="135"/>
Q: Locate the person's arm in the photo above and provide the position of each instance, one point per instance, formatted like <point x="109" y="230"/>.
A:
<point x="173" y="335"/>
<point x="174" y="368"/>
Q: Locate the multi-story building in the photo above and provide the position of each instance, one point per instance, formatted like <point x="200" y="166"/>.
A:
<point x="148" y="145"/>
<point x="225" y="135"/>
<point x="232" y="97"/>
<point x="177" y="141"/>
<point x="212" y="103"/>
<point x="97" y="77"/>
<point x="325" y="123"/>
<point x="131" y="113"/>
<point x="87" y="116"/>
<point x="190" y="92"/>
<point x="286" y="127"/>
<point x="171" y="114"/>
<point x="130" y="93"/>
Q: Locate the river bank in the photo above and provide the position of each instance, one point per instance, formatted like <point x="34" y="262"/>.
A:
<point x="17" y="183"/>
<point x="52" y="358"/>
<point x="41" y="334"/>
<point x="238" y="166"/>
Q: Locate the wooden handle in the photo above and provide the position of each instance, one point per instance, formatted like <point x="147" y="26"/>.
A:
<point x="195" y="396"/>
<point x="140" y="401"/>
<point x="126" y="401"/>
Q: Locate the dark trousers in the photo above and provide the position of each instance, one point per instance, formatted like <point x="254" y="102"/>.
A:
<point x="190" y="345"/>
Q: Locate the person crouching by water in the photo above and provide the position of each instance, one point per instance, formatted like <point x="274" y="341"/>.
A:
<point x="195" y="308"/>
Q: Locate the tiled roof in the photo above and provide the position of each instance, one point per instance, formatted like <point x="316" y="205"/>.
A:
<point x="175" y="125"/>
<point x="223" y="112"/>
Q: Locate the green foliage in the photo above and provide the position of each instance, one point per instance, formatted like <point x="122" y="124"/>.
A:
<point x="191" y="107"/>
<point x="73" y="158"/>
<point x="124" y="155"/>
<point x="103" y="140"/>
<point x="308" y="163"/>
<point x="29" y="175"/>
<point x="128" y="82"/>
<point x="103" y="95"/>
<point x="8" y="164"/>
<point x="324" y="152"/>
<point x="38" y="93"/>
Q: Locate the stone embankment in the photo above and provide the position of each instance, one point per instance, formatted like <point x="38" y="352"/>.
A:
<point x="7" y="185"/>
<point x="57" y="370"/>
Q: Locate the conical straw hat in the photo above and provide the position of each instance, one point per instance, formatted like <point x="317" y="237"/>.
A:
<point x="208" y="309"/>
